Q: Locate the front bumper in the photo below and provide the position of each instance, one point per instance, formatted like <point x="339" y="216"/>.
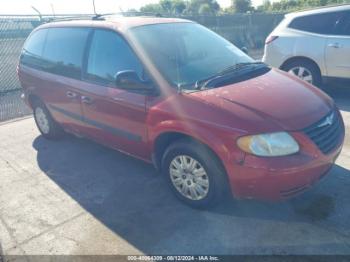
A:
<point x="279" y="178"/>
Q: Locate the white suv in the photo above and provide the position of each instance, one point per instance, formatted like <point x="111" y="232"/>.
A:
<point x="313" y="45"/>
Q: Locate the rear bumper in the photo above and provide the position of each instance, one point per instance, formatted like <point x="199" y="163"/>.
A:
<point x="276" y="179"/>
<point x="25" y="98"/>
<point x="273" y="57"/>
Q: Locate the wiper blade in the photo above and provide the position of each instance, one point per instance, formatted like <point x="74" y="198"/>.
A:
<point x="239" y="66"/>
<point x="231" y="69"/>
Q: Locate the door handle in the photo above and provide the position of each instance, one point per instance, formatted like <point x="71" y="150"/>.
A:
<point x="334" y="45"/>
<point x="71" y="94"/>
<point x="86" y="100"/>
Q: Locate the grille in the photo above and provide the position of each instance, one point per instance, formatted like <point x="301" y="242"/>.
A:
<point x="326" y="133"/>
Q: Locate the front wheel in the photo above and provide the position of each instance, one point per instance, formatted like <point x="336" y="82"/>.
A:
<point x="194" y="174"/>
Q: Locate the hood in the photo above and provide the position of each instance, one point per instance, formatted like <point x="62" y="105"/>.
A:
<point x="273" y="101"/>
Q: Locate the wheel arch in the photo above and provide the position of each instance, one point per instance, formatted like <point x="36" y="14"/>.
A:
<point x="32" y="98"/>
<point x="165" y="139"/>
<point x="300" y="58"/>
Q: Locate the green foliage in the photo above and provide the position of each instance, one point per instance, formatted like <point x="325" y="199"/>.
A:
<point x="178" y="7"/>
<point x="211" y="7"/>
<point x="295" y="5"/>
<point x="242" y="6"/>
<point x="202" y="7"/>
<point x="152" y="8"/>
<point x="166" y="5"/>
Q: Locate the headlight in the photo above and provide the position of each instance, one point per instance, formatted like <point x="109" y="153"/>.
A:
<point x="272" y="144"/>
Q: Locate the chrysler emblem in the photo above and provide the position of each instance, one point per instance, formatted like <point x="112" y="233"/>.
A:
<point x="327" y="121"/>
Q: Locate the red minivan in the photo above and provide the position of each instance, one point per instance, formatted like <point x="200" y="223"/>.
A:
<point x="175" y="94"/>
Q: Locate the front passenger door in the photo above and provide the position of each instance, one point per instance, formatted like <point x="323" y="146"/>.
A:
<point x="116" y="117"/>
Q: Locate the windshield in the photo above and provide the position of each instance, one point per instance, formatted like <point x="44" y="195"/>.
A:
<point x="186" y="52"/>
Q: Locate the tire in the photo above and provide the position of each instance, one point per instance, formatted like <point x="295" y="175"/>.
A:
<point x="47" y="126"/>
<point x="303" y="68"/>
<point x="213" y="181"/>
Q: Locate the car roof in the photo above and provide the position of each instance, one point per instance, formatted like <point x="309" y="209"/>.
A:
<point x="119" y="23"/>
<point x="325" y="9"/>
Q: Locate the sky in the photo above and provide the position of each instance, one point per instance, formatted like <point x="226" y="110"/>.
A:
<point x="79" y="6"/>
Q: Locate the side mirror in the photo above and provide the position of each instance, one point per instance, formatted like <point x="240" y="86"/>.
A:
<point x="129" y="79"/>
<point x="244" y="49"/>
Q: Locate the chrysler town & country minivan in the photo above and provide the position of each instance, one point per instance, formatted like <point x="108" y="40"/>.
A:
<point x="173" y="93"/>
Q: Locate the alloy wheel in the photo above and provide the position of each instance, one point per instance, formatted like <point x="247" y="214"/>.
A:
<point x="302" y="72"/>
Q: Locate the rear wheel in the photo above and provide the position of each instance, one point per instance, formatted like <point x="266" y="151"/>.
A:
<point x="305" y="70"/>
<point x="194" y="174"/>
<point x="47" y="126"/>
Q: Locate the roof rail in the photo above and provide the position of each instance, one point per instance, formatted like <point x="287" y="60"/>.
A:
<point x="320" y="7"/>
<point x="67" y="18"/>
<point x="96" y="17"/>
<point x="101" y="16"/>
<point x="128" y="14"/>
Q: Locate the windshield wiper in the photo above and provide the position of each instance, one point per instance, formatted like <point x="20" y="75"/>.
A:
<point x="238" y="66"/>
<point x="228" y="70"/>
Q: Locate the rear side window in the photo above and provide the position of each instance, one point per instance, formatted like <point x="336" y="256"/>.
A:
<point x="33" y="49"/>
<point x="110" y="54"/>
<point x="64" y="50"/>
<point x="326" y="23"/>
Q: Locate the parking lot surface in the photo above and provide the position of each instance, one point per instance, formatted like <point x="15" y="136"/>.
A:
<point x="76" y="197"/>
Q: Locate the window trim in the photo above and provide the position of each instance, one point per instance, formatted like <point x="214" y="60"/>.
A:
<point x="336" y="28"/>
<point x="84" y="78"/>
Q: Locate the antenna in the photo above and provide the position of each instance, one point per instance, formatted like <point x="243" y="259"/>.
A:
<point x="93" y="3"/>
<point x="36" y="10"/>
<point x="53" y="10"/>
<point x="121" y="10"/>
<point x="97" y="16"/>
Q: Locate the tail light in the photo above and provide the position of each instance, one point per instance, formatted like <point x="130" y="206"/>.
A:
<point x="270" y="39"/>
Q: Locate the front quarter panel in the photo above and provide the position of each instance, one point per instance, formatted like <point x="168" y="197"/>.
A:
<point x="181" y="114"/>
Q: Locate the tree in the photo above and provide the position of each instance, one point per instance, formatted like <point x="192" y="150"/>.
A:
<point x="166" y="5"/>
<point x="242" y="6"/>
<point x="265" y="7"/>
<point x="152" y="8"/>
<point x="178" y="6"/>
<point x="209" y="6"/>
<point x="295" y="5"/>
<point x="204" y="9"/>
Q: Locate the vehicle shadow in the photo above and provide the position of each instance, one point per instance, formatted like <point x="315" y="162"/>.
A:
<point x="132" y="200"/>
<point x="1" y="254"/>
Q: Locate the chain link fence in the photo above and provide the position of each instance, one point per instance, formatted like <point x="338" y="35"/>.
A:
<point x="249" y="30"/>
<point x="13" y="32"/>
